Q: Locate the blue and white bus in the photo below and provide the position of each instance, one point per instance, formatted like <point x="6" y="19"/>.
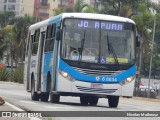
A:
<point x="87" y="55"/>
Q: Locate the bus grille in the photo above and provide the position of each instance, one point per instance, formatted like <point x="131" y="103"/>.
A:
<point x="97" y="72"/>
<point x="97" y="90"/>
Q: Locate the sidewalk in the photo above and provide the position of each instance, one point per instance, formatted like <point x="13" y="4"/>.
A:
<point x="6" y="107"/>
<point x="147" y="99"/>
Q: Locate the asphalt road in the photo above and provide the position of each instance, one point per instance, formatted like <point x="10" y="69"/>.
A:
<point x="15" y="94"/>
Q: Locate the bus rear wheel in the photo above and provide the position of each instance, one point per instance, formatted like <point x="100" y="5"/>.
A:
<point x="113" y="101"/>
<point x="54" y="98"/>
<point x="34" y="94"/>
<point x="93" y="100"/>
<point x="84" y="100"/>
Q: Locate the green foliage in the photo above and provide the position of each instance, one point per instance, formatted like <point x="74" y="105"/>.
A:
<point x="79" y="6"/>
<point x="119" y="7"/>
<point x="3" y="47"/>
<point x="17" y="75"/>
<point x="6" y="17"/>
<point x="4" y="74"/>
<point x="89" y="9"/>
<point x="144" y="18"/>
<point x="14" y="35"/>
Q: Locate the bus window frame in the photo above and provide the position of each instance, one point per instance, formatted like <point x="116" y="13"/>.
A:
<point x="28" y="43"/>
<point x="35" y="41"/>
<point x="51" y="37"/>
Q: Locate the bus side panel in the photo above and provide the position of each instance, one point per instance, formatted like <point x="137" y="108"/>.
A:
<point x="64" y="85"/>
<point x="47" y="67"/>
<point x="25" y="72"/>
<point x="33" y="69"/>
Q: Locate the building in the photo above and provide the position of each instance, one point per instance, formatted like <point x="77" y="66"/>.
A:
<point x="10" y="5"/>
<point x="41" y="9"/>
<point x="53" y="5"/>
<point x="66" y="3"/>
<point x="26" y="7"/>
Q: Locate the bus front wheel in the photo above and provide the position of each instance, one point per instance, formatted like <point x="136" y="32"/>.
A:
<point x="113" y="101"/>
<point x="84" y="100"/>
<point x="44" y="97"/>
<point x="93" y="100"/>
<point x="54" y="98"/>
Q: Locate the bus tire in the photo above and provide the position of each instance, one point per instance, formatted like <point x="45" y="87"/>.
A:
<point x="44" y="97"/>
<point x="34" y="95"/>
<point x="113" y="101"/>
<point x="93" y="100"/>
<point x="54" y="98"/>
<point x="84" y="100"/>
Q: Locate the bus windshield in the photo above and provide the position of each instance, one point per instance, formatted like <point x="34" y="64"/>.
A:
<point x="96" y="41"/>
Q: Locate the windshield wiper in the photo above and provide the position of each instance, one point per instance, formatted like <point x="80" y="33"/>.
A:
<point x="111" y="51"/>
<point x="82" y="46"/>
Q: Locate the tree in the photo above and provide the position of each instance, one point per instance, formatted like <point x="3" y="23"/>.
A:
<point x="144" y="22"/>
<point x="125" y="8"/>
<point x="6" y="18"/>
<point x="21" y="26"/>
<point x="9" y="37"/>
<point x="79" y="6"/>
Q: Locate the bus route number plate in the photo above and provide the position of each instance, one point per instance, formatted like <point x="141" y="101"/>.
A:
<point x="96" y="85"/>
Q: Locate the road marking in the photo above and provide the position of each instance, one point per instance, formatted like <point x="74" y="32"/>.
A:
<point x="19" y="109"/>
<point x="28" y="102"/>
<point x="53" y="107"/>
<point x="14" y="107"/>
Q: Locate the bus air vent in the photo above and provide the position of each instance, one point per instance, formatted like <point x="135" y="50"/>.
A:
<point x="97" y="90"/>
<point x="97" y="72"/>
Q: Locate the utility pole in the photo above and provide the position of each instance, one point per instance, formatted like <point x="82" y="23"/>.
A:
<point x="150" y="68"/>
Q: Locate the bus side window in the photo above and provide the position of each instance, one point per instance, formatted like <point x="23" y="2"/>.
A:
<point x="49" y="42"/>
<point x="35" y="42"/>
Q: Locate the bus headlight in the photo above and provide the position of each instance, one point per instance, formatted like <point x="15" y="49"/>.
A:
<point x="128" y="80"/>
<point x="66" y="76"/>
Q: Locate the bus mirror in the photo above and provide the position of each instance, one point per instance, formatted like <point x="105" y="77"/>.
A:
<point x="58" y="35"/>
<point x="138" y="41"/>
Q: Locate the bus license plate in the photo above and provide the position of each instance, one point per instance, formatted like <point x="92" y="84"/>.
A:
<point x="96" y="85"/>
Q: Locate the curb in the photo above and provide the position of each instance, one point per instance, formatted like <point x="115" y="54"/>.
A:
<point x="146" y="99"/>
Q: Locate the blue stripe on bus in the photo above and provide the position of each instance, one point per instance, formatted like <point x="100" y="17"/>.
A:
<point x="102" y="79"/>
<point x="54" y="19"/>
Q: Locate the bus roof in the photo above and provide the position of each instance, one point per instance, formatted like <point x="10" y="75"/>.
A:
<point x="93" y="16"/>
<point x="97" y="17"/>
